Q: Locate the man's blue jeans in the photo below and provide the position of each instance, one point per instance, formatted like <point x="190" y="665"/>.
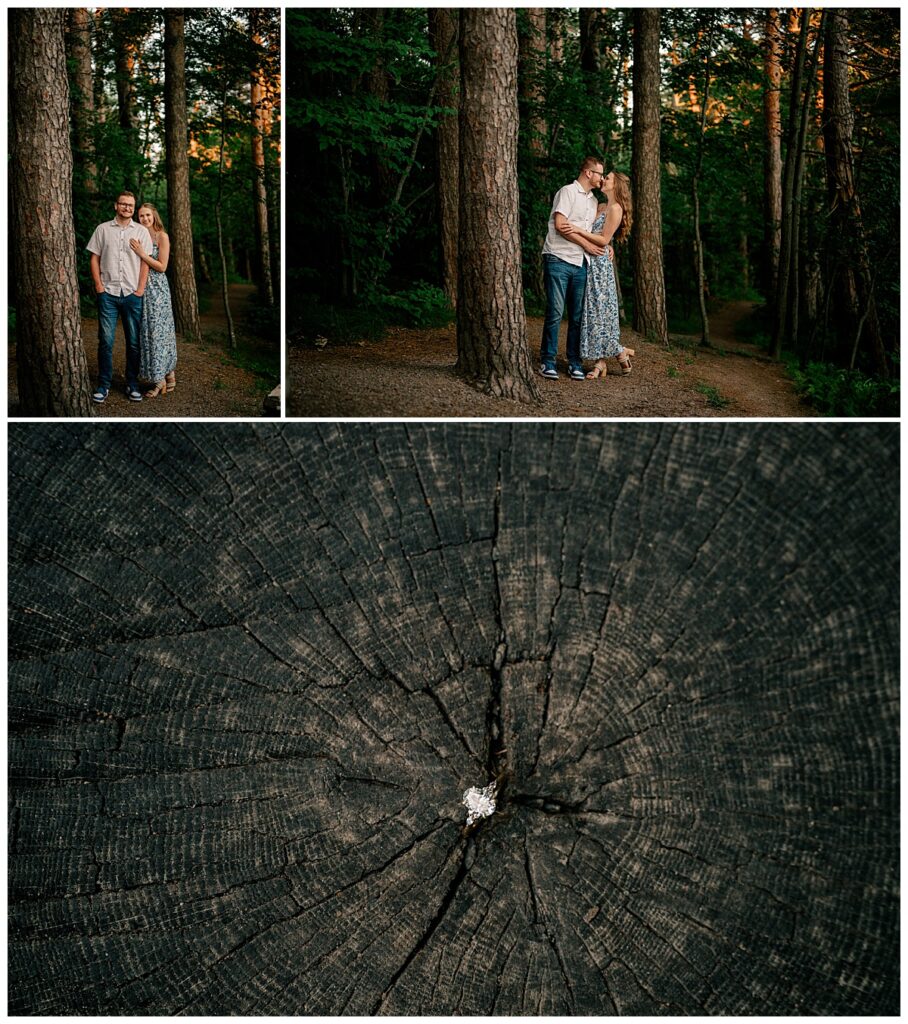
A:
<point x="129" y="307"/>
<point x="564" y="284"/>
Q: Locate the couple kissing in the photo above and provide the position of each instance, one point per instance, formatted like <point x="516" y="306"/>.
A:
<point x="579" y="272"/>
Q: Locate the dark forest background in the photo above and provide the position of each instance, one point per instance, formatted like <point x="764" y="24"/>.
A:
<point x="778" y="171"/>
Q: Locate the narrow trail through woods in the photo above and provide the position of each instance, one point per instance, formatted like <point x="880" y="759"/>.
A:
<point x="411" y="374"/>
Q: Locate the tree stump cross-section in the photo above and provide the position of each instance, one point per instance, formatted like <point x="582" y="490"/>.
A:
<point x="253" y="669"/>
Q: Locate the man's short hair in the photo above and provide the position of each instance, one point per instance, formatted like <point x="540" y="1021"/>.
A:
<point x="125" y="192"/>
<point x="588" y="162"/>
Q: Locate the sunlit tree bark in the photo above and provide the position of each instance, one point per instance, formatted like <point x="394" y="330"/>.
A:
<point x="259" y="193"/>
<point x="182" y="275"/>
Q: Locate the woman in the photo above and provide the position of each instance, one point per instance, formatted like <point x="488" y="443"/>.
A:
<point x="600" y="333"/>
<point x="157" y="337"/>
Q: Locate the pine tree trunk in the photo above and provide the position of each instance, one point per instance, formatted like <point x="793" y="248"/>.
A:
<point x="252" y="670"/>
<point x="772" y="115"/>
<point x="52" y="373"/>
<point x="124" y="63"/>
<point x="259" y="195"/>
<point x="491" y="321"/>
<point x="182" y="270"/>
<point x="370" y="23"/>
<point x="82" y="101"/>
<point x="532" y="72"/>
<point x="698" y="237"/>
<point x="224" y="246"/>
<point x="856" y="302"/>
<point x="784" y="283"/>
<point x="443" y="27"/>
<point x="531" y="82"/>
<point x="650" y="317"/>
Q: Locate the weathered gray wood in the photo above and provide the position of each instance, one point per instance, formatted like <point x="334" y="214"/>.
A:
<point x="252" y="670"/>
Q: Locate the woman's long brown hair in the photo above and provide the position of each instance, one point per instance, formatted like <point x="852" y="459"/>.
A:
<point x="623" y="199"/>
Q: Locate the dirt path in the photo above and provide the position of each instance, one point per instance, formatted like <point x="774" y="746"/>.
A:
<point x="410" y="374"/>
<point x="207" y="382"/>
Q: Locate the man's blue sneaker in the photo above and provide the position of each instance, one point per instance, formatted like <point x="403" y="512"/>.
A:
<point x="133" y="393"/>
<point x="548" y="370"/>
<point x="576" y="373"/>
<point x="100" y="395"/>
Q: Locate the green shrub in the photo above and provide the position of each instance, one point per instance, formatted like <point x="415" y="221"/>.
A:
<point x="310" y="318"/>
<point x="423" y="305"/>
<point x="837" y="392"/>
<point x="263" y="321"/>
<point x="714" y="397"/>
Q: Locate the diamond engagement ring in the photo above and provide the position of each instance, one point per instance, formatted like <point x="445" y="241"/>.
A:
<point x="480" y="803"/>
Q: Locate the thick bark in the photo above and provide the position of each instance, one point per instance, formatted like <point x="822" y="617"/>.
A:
<point x="443" y="27"/>
<point x="557" y="28"/>
<point x="796" y="271"/>
<point x="591" y="50"/>
<point x="784" y="283"/>
<point x="239" y="735"/>
<point x="182" y="276"/>
<point x="125" y="50"/>
<point x="858" y="320"/>
<point x="531" y="82"/>
<point x="772" y="115"/>
<point x="81" y="94"/>
<point x="650" y="317"/>
<point x="259" y="193"/>
<point x="532" y="72"/>
<point x="492" y="345"/>
<point x="591" y="63"/>
<point x="52" y="374"/>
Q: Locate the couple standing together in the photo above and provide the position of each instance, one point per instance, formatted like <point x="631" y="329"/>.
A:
<point x="579" y="272"/>
<point x="128" y="261"/>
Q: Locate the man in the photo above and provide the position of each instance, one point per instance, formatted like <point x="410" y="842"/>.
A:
<point x="119" y="276"/>
<point x="564" y="263"/>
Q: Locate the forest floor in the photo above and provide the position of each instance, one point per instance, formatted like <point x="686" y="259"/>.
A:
<point x="411" y="374"/>
<point x="209" y="381"/>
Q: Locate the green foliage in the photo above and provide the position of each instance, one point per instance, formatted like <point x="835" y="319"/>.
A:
<point x="261" y="360"/>
<point x="837" y="392"/>
<point x="338" y="325"/>
<point x="423" y="305"/>
<point x="756" y="328"/>
<point x="673" y="372"/>
<point x="361" y="118"/>
<point x="713" y="396"/>
<point x="264" y="321"/>
<point x="731" y="181"/>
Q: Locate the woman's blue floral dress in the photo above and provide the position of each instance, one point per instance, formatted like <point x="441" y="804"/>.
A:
<point x="157" y="336"/>
<point x="600" y="332"/>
